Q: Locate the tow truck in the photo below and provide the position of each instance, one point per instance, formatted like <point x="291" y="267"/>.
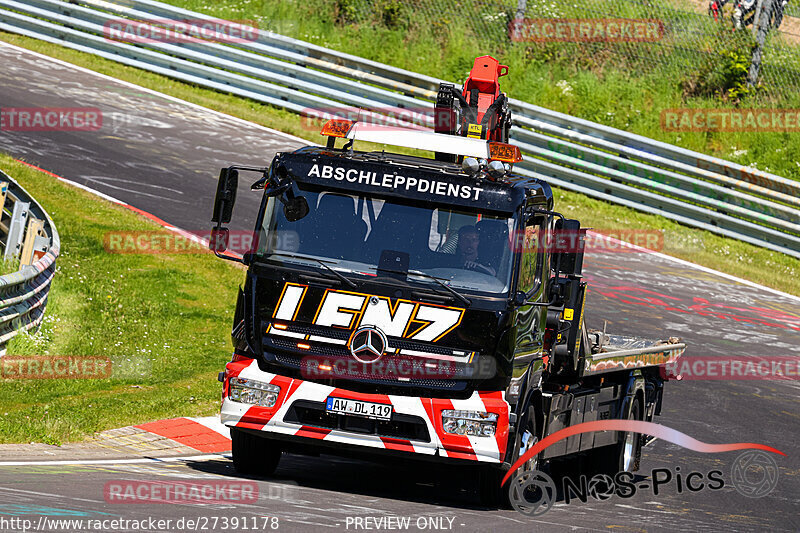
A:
<point x="420" y="307"/>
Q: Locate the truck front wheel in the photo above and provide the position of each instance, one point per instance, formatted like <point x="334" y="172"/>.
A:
<point x="253" y="454"/>
<point x="491" y="493"/>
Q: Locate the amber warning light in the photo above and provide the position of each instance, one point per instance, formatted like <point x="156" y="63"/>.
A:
<point x="507" y="153"/>
<point x="337" y="127"/>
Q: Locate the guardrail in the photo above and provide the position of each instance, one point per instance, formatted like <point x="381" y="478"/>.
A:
<point x="606" y="163"/>
<point x="28" y="237"/>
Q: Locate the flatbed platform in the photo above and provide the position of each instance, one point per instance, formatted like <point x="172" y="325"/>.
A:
<point x="619" y="352"/>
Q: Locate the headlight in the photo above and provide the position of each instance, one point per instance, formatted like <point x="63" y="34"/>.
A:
<point x="472" y="423"/>
<point x="253" y="392"/>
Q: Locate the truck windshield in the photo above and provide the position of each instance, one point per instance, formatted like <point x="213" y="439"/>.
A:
<point x="469" y="251"/>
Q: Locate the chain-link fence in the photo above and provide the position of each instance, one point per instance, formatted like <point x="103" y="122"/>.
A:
<point x="718" y="47"/>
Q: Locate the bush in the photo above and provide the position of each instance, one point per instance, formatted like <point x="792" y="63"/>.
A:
<point x="347" y="12"/>
<point x="393" y="15"/>
<point x="725" y="74"/>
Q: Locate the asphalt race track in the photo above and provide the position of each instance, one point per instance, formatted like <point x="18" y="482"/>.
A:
<point x="163" y="156"/>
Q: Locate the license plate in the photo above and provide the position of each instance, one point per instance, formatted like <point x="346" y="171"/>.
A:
<point x="380" y="411"/>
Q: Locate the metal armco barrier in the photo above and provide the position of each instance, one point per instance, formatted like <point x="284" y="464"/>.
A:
<point x="27" y="234"/>
<point x="606" y="163"/>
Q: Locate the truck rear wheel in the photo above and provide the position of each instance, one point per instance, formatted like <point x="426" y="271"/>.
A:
<point x="624" y="456"/>
<point x="631" y="443"/>
<point x="253" y="454"/>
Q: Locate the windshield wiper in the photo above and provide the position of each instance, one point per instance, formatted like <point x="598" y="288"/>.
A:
<point x="460" y="297"/>
<point x="350" y="283"/>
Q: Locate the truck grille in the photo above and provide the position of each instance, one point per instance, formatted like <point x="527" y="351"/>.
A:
<point x="401" y="426"/>
<point x="343" y="335"/>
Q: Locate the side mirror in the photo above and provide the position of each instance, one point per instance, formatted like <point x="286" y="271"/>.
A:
<point x="569" y="244"/>
<point x="295" y="208"/>
<point x="218" y="242"/>
<point x="277" y="191"/>
<point x="226" y="196"/>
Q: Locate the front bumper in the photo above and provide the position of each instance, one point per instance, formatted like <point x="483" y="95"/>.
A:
<point x="416" y="425"/>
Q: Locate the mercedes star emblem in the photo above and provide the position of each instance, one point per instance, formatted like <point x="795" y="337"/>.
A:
<point x="367" y="344"/>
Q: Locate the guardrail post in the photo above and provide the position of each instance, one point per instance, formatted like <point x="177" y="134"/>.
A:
<point x="35" y="244"/>
<point x="16" y="230"/>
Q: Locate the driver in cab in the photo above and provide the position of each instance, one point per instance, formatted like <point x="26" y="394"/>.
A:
<point x="467" y="250"/>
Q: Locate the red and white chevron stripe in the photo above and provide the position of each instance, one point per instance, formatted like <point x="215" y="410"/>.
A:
<point x="484" y="449"/>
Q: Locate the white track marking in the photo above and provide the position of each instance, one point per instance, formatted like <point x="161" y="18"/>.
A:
<point x="156" y="93"/>
<point x="701" y="268"/>
<point x="101" y="180"/>
<point x="206" y="457"/>
<point x="57" y="496"/>
<point x="133" y="182"/>
<point x="92" y="191"/>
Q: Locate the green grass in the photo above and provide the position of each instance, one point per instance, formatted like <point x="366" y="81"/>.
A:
<point x="149" y="314"/>
<point x="9" y="267"/>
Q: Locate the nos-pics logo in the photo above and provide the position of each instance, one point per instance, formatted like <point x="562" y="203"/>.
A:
<point x="754" y="473"/>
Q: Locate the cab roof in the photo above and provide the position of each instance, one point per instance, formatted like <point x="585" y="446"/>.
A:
<point x="413" y="177"/>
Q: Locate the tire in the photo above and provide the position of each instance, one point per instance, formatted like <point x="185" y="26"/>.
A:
<point x="533" y="435"/>
<point x="490" y="492"/>
<point x="625" y="455"/>
<point x="252" y="454"/>
<point x="632" y="442"/>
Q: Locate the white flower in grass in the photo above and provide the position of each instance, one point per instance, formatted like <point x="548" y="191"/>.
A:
<point x="566" y="88"/>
